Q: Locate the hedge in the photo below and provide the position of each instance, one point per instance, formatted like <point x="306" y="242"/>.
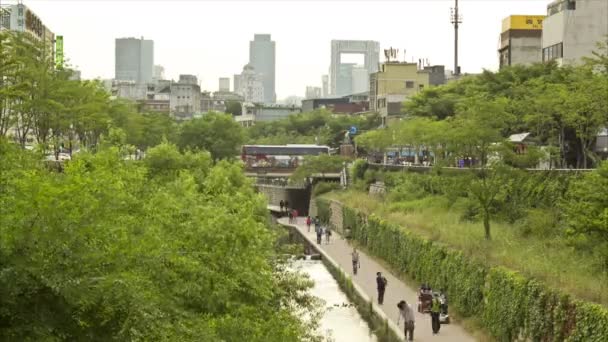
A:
<point x="509" y="305"/>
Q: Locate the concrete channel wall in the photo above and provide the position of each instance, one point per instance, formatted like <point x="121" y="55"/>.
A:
<point x="380" y="324"/>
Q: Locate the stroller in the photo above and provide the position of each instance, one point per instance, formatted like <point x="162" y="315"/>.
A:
<point x="425" y="299"/>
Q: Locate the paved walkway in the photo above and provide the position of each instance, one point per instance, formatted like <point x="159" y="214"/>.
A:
<point x="339" y="250"/>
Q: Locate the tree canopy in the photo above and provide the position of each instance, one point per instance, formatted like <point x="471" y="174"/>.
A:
<point x="168" y="249"/>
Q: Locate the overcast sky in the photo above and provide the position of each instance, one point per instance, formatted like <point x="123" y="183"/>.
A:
<point x="210" y="39"/>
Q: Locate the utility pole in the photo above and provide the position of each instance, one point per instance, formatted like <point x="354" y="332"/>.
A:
<point x="456" y="19"/>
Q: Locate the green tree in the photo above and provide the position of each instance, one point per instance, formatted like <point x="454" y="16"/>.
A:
<point x="234" y="108"/>
<point x="318" y="165"/>
<point x="217" y="133"/>
<point x="585" y="208"/>
<point x="120" y="250"/>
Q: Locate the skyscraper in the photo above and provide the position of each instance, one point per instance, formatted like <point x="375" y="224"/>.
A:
<point x="224" y="84"/>
<point x="262" y="59"/>
<point x="134" y="60"/>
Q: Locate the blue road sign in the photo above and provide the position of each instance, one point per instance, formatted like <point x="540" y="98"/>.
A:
<point x="353" y="130"/>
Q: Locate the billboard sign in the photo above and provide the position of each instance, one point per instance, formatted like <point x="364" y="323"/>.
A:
<point x="523" y="22"/>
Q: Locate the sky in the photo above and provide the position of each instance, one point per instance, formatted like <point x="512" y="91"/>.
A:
<point x="210" y="39"/>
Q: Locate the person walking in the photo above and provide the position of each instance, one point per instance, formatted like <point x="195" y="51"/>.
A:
<point x="327" y="235"/>
<point x="381" y="283"/>
<point x="290" y="214"/>
<point x="295" y="216"/>
<point x="281" y="205"/>
<point x="355" y="258"/>
<point x="308" y="222"/>
<point x="435" y="311"/>
<point x="406" y="313"/>
<point x="319" y="232"/>
<point x="286" y="205"/>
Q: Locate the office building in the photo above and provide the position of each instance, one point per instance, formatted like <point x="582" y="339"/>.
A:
<point x="572" y="28"/>
<point x="134" y="60"/>
<point x="224" y="84"/>
<point x="158" y="73"/>
<point x="340" y="74"/>
<point x="521" y="40"/>
<point x="251" y="85"/>
<point x="262" y="59"/>
<point x="20" y="18"/>
<point x="251" y="113"/>
<point x="359" y="80"/>
<point x="217" y="101"/>
<point x="185" y="101"/>
<point x="396" y="82"/>
<point x="325" y="83"/>
<point x="350" y="104"/>
<point x="313" y="92"/>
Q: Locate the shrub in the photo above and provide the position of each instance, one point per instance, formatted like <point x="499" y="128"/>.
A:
<point x="509" y="305"/>
<point x="325" y="187"/>
<point x="538" y="222"/>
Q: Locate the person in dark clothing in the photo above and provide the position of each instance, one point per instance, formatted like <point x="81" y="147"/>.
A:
<point x="319" y="232"/>
<point x="281" y="205"/>
<point x="286" y="205"/>
<point x="381" y="283"/>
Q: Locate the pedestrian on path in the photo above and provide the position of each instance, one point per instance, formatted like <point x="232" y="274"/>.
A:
<point x="290" y="214"/>
<point x="281" y="205"/>
<point x="356" y="264"/>
<point x="409" y="319"/>
<point x="308" y="222"/>
<point x="327" y="235"/>
<point x="286" y="205"/>
<point x="319" y="232"/>
<point x="435" y="311"/>
<point x="295" y="216"/>
<point x="381" y="283"/>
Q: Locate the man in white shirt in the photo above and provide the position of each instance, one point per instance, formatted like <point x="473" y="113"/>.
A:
<point x="407" y="314"/>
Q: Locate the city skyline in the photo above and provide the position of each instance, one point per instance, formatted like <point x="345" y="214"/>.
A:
<point x="218" y="46"/>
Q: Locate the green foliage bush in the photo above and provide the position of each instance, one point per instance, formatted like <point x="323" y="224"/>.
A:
<point x="172" y="248"/>
<point x="325" y="187"/>
<point x="509" y="305"/>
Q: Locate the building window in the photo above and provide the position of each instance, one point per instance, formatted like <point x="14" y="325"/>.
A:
<point x="553" y="52"/>
<point x="571" y="4"/>
<point x="409" y="84"/>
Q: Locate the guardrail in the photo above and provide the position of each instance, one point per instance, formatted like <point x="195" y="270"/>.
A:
<point x="422" y="168"/>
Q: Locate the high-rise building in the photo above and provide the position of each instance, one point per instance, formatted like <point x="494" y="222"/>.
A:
<point x="572" y="28"/>
<point x="262" y="59"/>
<point x="224" y="84"/>
<point x="236" y="83"/>
<point x="359" y="80"/>
<point x="313" y="92"/>
<point x="159" y="73"/>
<point x="339" y="72"/>
<point x="521" y="40"/>
<point x="251" y="85"/>
<point x="134" y="60"/>
<point x="325" y="82"/>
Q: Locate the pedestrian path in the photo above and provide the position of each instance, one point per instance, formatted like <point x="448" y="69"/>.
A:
<point x="339" y="250"/>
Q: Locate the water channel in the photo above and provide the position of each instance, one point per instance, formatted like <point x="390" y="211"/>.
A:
<point x="340" y="322"/>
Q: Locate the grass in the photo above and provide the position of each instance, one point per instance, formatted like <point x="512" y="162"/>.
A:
<point x="548" y="259"/>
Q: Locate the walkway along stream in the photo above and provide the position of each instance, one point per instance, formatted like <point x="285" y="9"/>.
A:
<point x="337" y="254"/>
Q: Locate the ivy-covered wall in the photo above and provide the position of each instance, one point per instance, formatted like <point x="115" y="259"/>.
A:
<point x="510" y="306"/>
